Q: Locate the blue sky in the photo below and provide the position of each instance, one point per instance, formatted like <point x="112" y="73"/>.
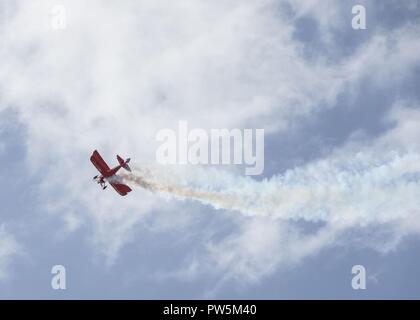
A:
<point x="334" y="102"/>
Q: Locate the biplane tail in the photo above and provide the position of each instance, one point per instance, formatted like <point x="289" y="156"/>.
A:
<point x="123" y="163"/>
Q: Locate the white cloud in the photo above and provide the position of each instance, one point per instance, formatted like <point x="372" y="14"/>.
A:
<point x="121" y="71"/>
<point x="260" y="247"/>
<point x="364" y="194"/>
<point x="380" y="220"/>
<point x="9" y="248"/>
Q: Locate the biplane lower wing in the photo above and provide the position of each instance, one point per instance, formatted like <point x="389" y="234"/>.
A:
<point x="122" y="189"/>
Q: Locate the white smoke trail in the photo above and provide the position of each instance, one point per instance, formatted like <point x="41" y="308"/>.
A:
<point x="361" y="189"/>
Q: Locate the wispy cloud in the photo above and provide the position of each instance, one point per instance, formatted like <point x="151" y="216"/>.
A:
<point x="9" y="248"/>
<point x="369" y="187"/>
<point x="118" y="73"/>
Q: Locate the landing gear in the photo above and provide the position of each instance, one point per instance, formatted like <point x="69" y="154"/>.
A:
<point x="101" y="181"/>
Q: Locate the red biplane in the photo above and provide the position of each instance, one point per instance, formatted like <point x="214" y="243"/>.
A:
<point x="108" y="174"/>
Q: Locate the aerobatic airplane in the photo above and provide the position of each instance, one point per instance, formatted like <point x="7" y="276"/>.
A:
<point x="108" y="174"/>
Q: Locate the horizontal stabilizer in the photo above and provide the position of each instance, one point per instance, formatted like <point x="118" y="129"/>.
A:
<point x="123" y="163"/>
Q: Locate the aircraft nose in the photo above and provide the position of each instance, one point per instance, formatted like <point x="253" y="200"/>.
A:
<point x="128" y="160"/>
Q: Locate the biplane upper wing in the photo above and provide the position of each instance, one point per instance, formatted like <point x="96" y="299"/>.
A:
<point x="98" y="162"/>
<point x="122" y="189"/>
